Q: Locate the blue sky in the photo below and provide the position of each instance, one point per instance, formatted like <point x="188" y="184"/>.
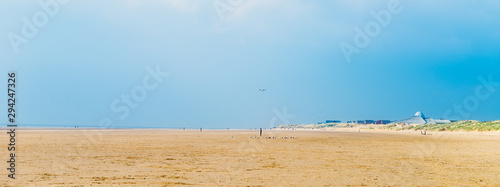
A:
<point x="431" y="56"/>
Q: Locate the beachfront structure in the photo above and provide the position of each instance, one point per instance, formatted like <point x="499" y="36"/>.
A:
<point x="438" y="121"/>
<point x="369" y="122"/>
<point x="333" y="121"/>
<point x="360" y="121"/>
<point x="383" y="122"/>
<point x="420" y="119"/>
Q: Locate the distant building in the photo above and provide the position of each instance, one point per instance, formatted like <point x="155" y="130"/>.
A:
<point x="333" y="121"/>
<point x="360" y="121"/>
<point x="439" y="121"/>
<point x="420" y="119"/>
<point x="369" y="122"/>
<point x="349" y="121"/>
<point x="383" y="122"/>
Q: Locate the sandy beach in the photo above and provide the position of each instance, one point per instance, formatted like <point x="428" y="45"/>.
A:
<point x="153" y="157"/>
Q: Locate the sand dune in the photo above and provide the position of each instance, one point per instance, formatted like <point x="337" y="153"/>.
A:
<point x="213" y="158"/>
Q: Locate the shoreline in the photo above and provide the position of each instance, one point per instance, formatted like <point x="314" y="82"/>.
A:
<point x="326" y="130"/>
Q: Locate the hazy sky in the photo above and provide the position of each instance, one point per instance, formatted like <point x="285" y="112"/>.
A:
<point x="85" y="62"/>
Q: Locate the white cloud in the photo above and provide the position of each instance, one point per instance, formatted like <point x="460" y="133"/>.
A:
<point x="183" y="5"/>
<point x="187" y="6"/>
<point x="275" y="7"/>
<point x="261" y="15"/>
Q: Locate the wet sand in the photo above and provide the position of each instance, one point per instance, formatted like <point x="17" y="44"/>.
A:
<point x="232" y="158"/>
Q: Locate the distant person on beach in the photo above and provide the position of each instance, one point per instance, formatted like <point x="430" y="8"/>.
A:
<point x="200" y="129"/>
<point x="260" y="131"/>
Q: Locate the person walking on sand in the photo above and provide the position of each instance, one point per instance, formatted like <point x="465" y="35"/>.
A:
<point x="261" y="132"/>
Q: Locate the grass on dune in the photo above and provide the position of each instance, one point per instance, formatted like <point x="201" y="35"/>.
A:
<point x="466" y="125"/>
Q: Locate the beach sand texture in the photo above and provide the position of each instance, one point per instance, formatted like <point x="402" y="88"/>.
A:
<point x="231" y="158"/>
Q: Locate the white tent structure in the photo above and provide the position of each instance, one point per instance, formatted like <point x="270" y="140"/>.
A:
<point x="420" y="119"/>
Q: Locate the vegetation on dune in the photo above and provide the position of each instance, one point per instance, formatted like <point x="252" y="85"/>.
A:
<point x="463" y="125"/>
<point x="466" y="125"/>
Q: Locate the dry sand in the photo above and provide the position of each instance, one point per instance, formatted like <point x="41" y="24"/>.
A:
<point x="213" y="158"/>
